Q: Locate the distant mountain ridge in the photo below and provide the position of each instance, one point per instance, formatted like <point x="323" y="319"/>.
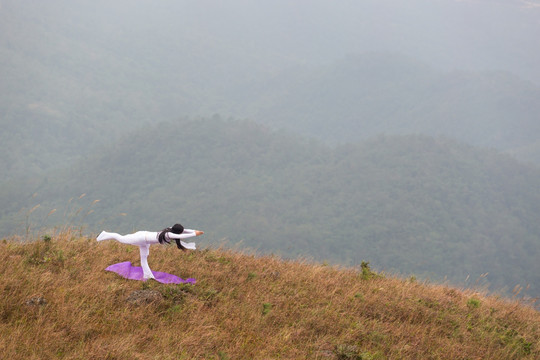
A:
<point x="363" y="96"/>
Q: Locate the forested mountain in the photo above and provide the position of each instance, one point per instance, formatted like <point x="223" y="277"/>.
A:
<point x="413" y="204"/>
<point x="75" y="75"/>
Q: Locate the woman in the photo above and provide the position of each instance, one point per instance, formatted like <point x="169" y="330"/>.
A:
<point x="143" y="239"/>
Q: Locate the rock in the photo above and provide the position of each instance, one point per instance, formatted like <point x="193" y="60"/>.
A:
<point x="36" y="301"/>
<point x="141" y="297"/>
<point x="345" y="351"/>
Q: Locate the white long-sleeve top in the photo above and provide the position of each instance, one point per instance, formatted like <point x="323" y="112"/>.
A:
<point x="148" y="237"/>
<point x="152" y="237"/>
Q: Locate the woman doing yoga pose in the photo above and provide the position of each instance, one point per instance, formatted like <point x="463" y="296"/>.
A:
<point x="143" y="239"/>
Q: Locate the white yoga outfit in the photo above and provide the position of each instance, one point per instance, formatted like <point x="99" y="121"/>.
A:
<point x="143" y="239"/>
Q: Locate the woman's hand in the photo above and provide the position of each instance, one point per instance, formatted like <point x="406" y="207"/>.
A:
<point x="198" y="232"/>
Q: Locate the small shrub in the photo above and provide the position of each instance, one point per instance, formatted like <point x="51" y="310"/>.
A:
<point x="42" y="254"/>
<point x="351" y="352"/>
<point x="266" y="308"/>
<point x="366" y="271"/>
<point x="56" y="258"/>
<point x="473" y="303"/>
<point x="209" y="296"/>
<point x="512" y="338"/>
<point x="526" y="347"/>
<point x="223" y="355"/>
<point x="174" y="309"/>
<point x="35" y="257"/>
<point x="186" y="288"/>
<point x="173" y="293"/>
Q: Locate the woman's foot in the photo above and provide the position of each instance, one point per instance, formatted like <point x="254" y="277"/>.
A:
<point x="147" y="275"/>
<point x="102" y="236"/>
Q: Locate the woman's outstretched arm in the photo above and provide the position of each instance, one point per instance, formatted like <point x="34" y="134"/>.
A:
<point x="187" y="233"/>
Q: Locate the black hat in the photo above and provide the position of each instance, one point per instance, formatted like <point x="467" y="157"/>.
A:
<point x="177" y="229"/>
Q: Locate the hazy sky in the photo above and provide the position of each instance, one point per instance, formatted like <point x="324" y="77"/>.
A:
<point x="475" y="34"/>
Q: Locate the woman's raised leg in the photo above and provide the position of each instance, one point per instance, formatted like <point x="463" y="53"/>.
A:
<point x="137" y="238"/>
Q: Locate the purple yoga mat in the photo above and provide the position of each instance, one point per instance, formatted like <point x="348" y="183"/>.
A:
<point x="126" y="270"/>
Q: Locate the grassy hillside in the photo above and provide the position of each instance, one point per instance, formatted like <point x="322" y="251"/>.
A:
<point x="58" y="303"/>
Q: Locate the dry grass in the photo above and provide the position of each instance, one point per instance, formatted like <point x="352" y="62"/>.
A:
<point x="242" y="307"/>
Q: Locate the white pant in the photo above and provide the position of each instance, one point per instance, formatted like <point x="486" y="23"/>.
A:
<point x="142" y="239"/>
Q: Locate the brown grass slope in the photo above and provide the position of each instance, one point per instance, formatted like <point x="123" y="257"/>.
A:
<point x="58" y="303"/>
